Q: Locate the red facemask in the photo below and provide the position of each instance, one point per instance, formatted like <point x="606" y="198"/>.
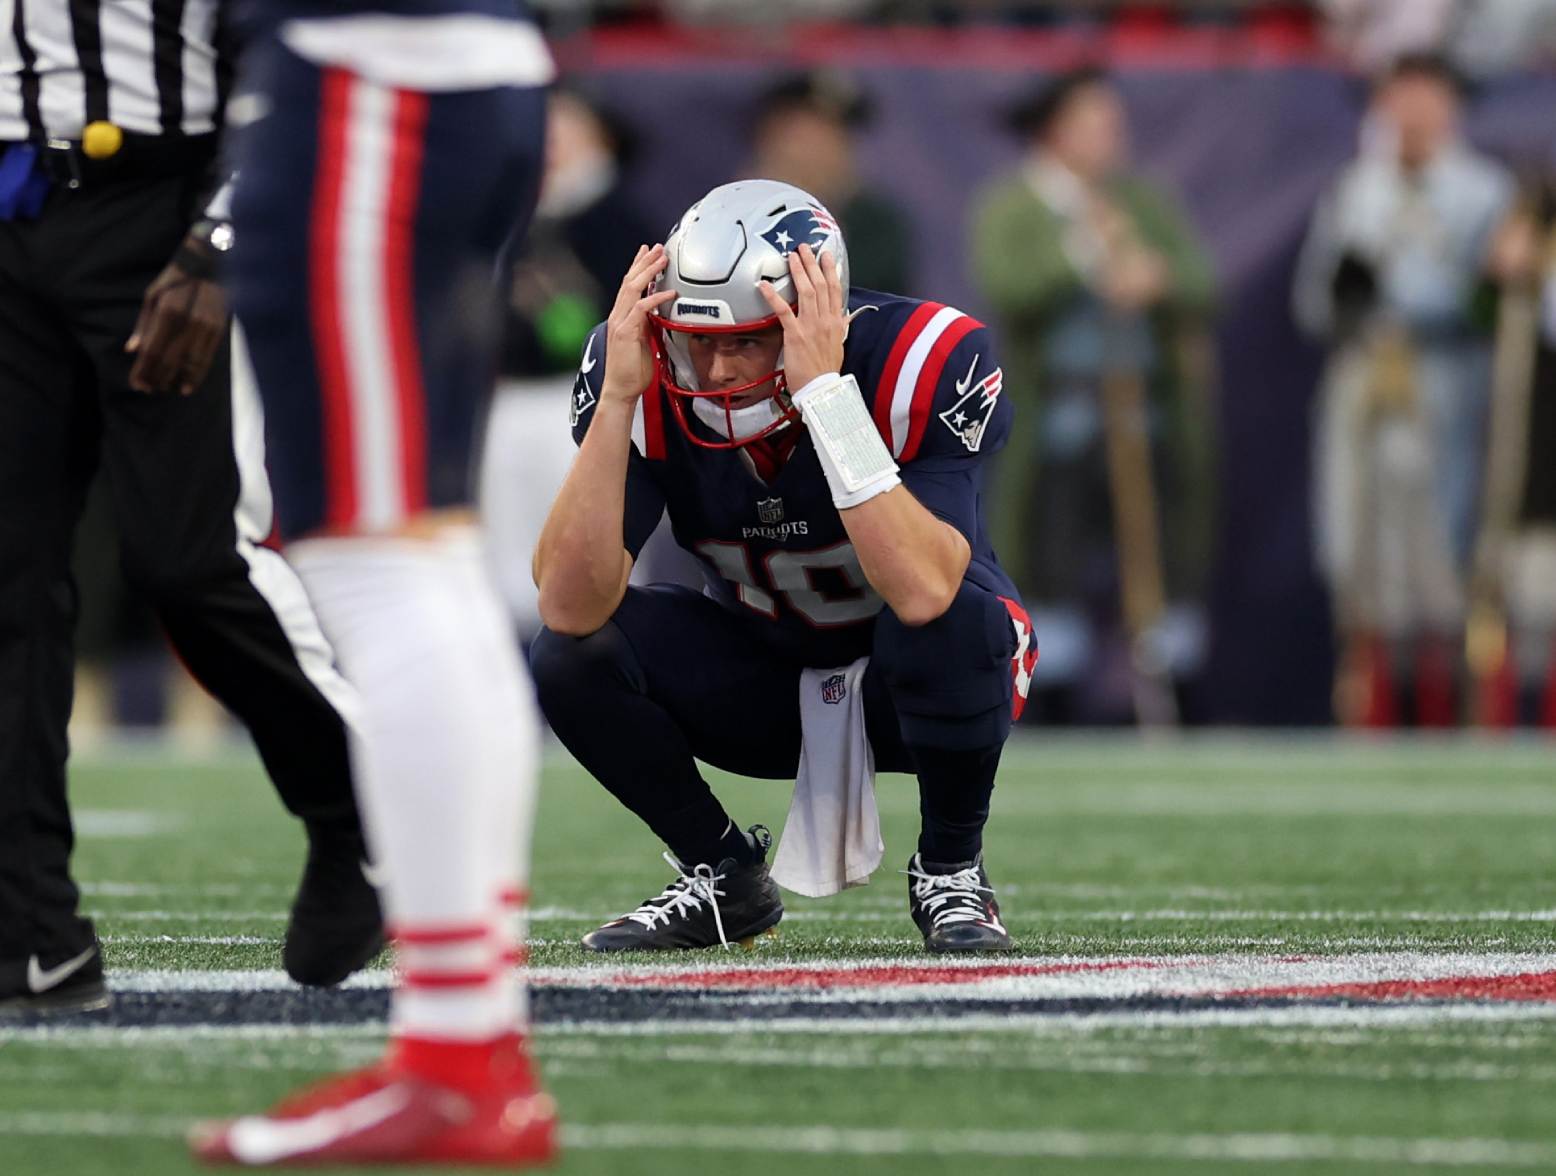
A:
<point x="683" y="400"/>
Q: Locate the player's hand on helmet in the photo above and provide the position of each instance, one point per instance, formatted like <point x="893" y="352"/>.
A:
<point x="629" y="352"/>
<point x="814" y="328"/>
<point x="182" y="325"/>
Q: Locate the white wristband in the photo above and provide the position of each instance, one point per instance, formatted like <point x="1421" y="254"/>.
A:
<point x="855" y="460"/>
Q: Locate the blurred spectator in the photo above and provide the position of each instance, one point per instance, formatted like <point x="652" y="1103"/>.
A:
<point x="586" y="230"/>
<point x="700" y="13"/>
<point x="1512" y="645"/>
<point x="1480" y="37"/>
<point x="1389" y="279"/>
<point x="1096" y="276"/>
<point x="803" y="134"/>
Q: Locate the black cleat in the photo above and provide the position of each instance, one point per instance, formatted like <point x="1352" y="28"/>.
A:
<point x="337" y="925"/>
<point x="706" y="906"/>
<point x="954" y="906"/>
<point x="48" y="986"/>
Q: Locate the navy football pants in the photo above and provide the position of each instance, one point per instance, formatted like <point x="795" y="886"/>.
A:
<point x="369" y="224"/>
<point x="675" y="676"/>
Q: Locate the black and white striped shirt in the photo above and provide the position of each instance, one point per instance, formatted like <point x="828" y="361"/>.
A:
<point x="150" y="66"/>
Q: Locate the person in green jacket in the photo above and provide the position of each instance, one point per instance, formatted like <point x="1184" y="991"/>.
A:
<point x="1093" y="272"/>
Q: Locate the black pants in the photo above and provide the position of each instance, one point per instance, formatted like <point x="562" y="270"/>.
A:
<point x="70" y="290"/>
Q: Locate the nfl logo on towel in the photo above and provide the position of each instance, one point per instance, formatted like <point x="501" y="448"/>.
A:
<point x="834" y="689"/>
<point x="769" y="510"/>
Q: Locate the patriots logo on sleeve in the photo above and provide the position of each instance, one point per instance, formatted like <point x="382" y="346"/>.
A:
<point x="805" y="226"/>
<point x="969" y="417"/>
<point x="583" y="396"/>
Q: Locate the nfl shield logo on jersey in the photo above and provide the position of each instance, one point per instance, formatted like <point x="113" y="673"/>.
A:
<point x="834" y="689"/>
<point x="769" y="510"/>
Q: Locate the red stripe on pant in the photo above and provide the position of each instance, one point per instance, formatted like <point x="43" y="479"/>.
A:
<point x="1024" y="660"/>
<point x="410" y="127"/>
<point x="477" y="979"/>
<point x="325" y="308"/>
<point x="428" y="936"/>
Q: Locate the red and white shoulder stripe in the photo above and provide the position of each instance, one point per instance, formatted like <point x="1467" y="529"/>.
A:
<point x="912" y="373"/>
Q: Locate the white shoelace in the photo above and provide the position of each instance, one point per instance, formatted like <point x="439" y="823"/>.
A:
<point x="952" y="898"/>
<point x="683" y="897"/>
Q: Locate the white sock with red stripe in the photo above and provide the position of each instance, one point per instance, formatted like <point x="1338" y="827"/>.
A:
<point x="445" y="764"/>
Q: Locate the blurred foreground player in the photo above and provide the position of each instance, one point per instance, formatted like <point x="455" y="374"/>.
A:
<point x="394" y="149"/>
<point x="821" y="452"/>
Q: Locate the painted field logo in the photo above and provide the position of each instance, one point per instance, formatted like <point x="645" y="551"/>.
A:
<point x="769" y="510"/>
<point x="834" y="689"/>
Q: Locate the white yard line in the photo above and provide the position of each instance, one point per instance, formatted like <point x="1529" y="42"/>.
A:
<point x="206" y="940"/>
<point x="817" y="1139"/>
<point x="125" y="823"/>
<point x="1165" y="915"/>
<point x="1371" y="1017"/>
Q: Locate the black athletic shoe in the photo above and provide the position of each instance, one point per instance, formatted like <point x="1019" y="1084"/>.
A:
<point x="706" y="906"/>
<point x="67" y="984"/>
<point x="336" y="925"/>
<point x="954" y="906"/>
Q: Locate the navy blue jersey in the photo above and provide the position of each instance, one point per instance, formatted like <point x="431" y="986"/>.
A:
<point x="778" y="552"/>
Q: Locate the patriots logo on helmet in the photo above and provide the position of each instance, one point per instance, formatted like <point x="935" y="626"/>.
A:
<point x="811" y="226"/>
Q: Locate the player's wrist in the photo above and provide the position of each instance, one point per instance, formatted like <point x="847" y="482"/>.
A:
<point x="808" y="390"/>
<point x="622" y="394"/>
<point x="855" y="460"/>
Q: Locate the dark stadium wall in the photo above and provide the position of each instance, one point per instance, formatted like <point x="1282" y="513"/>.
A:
<point x="1249" y="150"/>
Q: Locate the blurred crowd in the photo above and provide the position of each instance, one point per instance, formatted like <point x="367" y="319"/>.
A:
<point x="1479" y="37"/>
<point x="1427" y="277"/>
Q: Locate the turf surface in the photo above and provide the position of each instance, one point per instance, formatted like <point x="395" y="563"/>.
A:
<point x="1101" y="848"/>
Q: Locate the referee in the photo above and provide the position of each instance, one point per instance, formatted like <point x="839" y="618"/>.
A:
<point x="115" y="352"/>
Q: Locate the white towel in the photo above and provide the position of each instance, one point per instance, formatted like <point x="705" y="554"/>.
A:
<point x="832" y="838"/>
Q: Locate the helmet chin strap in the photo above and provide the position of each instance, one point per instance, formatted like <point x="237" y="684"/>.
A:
<point x="747" y="422"/>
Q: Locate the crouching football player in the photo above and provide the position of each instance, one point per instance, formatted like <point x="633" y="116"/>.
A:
<point x="820" y="450"/>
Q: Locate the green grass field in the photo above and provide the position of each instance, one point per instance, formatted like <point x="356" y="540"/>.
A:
<point x="1426" y="856"/>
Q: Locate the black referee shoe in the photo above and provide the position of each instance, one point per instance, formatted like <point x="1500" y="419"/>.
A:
<point x="706" y="906"/>
<point x="50" y="984"/>
<point x="954" y="906"/>
<point x="337" y="925"/>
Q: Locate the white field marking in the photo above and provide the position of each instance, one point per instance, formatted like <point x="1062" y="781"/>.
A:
<point x="184" y="889"/>
<point x="125" y="823"/>
<point x="207" y="916"/>
<point x="1351" y="798"/>
<point x="1191" y="1061"/>
<point x="1061" y="1144"/>
<point x="1297" y="916"/>
<point x="1065" y="1025"/>
<point x="1513" y="1037"/>
<point x="229" y="980"/>
<point x="207" y="940"/>
<point x="814" y="1139"/>
<point x="821" y="1140"/>
<point x="1200" y="975"/>
<point x="1166" y="915"/>
<point x="183" y="1036"/>
<point x="1069" y="1024"/>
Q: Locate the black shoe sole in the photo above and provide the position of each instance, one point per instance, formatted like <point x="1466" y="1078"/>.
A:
<point x="88" y="998"/>
<point x="746" y="938"/>
<point x="968" y="949"/>
<point x="327" y="970"/>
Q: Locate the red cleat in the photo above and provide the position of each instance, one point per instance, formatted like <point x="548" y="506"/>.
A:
<point x="380" y="1116"/>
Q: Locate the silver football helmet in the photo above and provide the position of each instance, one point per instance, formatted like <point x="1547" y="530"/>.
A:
<point x="725" y="245"/>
